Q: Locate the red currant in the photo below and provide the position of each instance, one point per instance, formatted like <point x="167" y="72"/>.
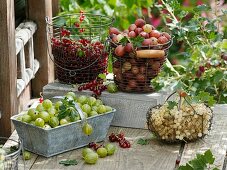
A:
<point x="112" y="137"/>
<point x="76" y="24"/>
<point x="202" y="69"/>
<point x="92" y="145"/>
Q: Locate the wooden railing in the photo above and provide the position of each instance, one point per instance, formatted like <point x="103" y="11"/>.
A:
<point x="27" y="65"/>
<point x="20" y="61"/>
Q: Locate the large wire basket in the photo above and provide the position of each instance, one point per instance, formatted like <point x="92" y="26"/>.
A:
<point x="12" y="148"/>
<point x="184" y="122"/>
<point x="78" y="44"/>
<point x="134" y="74"/>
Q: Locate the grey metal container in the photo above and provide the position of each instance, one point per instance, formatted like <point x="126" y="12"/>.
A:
<point x="62" y="138"/>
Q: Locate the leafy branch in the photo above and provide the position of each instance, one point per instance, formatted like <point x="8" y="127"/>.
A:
<point x="201" y="161"/>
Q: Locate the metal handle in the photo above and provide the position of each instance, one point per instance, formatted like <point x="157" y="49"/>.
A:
<point x="81" y="113"/>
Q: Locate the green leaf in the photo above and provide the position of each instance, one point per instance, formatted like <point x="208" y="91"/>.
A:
<point x="102" y="76"/>
<point x="171" y="104"/>
<point x="186" y="167"/>
<point x="142" y="141"/>
<point x="68" y="162"/>
<point x="124" y="41"/>
<point x="218" y="75"/>
<point x="137" y="41"/>
<point x="202" y="7"/>
<point x="209" y="157"/>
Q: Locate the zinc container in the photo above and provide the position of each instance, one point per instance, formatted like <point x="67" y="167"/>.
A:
<point x="50" y="142"/>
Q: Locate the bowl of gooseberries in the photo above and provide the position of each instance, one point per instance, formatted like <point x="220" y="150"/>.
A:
<point x="49" y="115"/>
<point x="61" y="119"/>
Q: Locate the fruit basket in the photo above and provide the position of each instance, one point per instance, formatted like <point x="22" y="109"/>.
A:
<point x="9" y="153"/>
<point x="138" y="55"/>
<point x="73" y="125"/>
<point x="179" y="121"/>
<point x="78" y="44"/>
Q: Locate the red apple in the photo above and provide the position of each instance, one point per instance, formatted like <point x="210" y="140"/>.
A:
<point x="146" y="42"/>
<point x="144" y="34"/>
<point x="132" y="34"/>
<point x="114" y="37"/>
<point x="113" y="30"/>
<point x="119" y="51"/>
<point x="166" y="35"/>
<point x="155" y="33"/>
<point x="162" y="40"/>
<point x="140" y="78"/>
<point x="128" y="47"/>
<point x="135" y="70"/>
<point x="140" y="22"/>
<point x="138" y="30"/>
<point x="156" y="65"/>
<point x="142" y="69"/>
<point x="148" y="28"/>
<point x="132" y="84"/>
<point x="154" y="41"/>
<point x="132" y="27"/>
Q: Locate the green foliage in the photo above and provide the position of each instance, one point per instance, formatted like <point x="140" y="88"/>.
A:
<point x="142" y="141"/>
<point x="68" y="162"/>
<point x="200" y="162"/>
<point x="124" y="11"/>
<point x="202" y="44"/>
<point x="67" y="109"/>
<point x="171" y="104"/>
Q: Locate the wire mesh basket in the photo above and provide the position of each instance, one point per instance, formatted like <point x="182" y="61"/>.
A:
<point x="9" y="153"/>
<point x="182" y="122"/>
<point x="134" y="74"/>
<point x="78" y="44"/>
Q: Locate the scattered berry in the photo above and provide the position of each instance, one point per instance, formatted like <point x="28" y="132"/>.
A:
<point x="202" y="69"/>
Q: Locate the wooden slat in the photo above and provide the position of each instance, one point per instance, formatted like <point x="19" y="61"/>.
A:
<point x="55" y="7"/>
<point x="153" y="156"/>
<point x="7" y="66"/>
<point x="37" y="11"/>
<point x="216" y="140"/>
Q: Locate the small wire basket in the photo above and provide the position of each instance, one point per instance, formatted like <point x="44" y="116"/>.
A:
<point x="78" y="44"/>
<point x="134" y="74"/>
<point x="184" y="122"/>
<point x="12" y="150"/>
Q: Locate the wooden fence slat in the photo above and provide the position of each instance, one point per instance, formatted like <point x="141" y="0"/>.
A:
<point x="37" y="11"/>
<point x="8" y="69"/>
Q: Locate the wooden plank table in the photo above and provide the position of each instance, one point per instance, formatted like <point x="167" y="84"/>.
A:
<point x="154" y="156"/>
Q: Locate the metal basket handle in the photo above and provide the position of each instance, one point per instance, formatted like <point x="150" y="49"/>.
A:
<point x="82" y="115"/>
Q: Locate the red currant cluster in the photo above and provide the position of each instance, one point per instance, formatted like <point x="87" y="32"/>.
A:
<point x="94" y="146"/>
<point x="96" y="86"/>
<point x="65" y="32"/>
<point x="76" y="24"/>
<point x="120" y="138"/>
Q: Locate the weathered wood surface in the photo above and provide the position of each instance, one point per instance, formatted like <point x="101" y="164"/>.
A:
<point x="8" y="71"/>
<point x="153" y="156"/>
<point x="216" y="140"/>
<point x="37" y="11"/>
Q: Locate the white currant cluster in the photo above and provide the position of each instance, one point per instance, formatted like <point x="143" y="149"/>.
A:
<point x="2" y="158"/>
<point x="183" y="124"/>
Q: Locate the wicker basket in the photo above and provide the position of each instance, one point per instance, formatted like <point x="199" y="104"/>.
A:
<point x="192" y="126"/>
<point x="134" y="74"/>
<point x="78" y="47"/>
